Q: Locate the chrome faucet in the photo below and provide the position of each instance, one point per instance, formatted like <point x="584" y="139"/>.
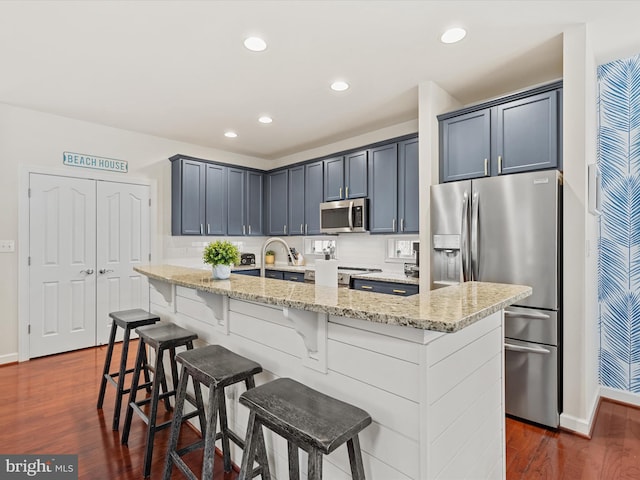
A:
<point x="266" y="243"/>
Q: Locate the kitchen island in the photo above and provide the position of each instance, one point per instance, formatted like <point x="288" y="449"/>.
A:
<point x="428" y="368"/>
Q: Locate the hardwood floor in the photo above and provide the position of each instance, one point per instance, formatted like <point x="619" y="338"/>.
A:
<point x="49" y="407"/>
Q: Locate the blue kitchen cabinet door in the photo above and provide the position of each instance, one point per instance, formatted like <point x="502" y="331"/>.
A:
<point x="389" y="288"/>
<point x="527" y="134"/>
<point x="355" y="174"/>
<point x="313" y="197"/>
<point x="334" y="179"/>
<point x="277" y="202"/>
<point x="408" y="187"/>
<point x="215" y="200"/>
<point x="254" y="203"/>
<point x="236" y="201"/>
<point x="187" y="197"/>
<point x="465" y="146"/>
<point x="383" y="189"/>
<point x="296" y="201"/>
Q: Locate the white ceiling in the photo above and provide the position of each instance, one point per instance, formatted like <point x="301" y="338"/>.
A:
<point x="178" y="69"/>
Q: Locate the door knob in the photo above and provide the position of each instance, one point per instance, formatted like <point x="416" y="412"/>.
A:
<point x="102" y="271"/>
<point x="88" y="271"/>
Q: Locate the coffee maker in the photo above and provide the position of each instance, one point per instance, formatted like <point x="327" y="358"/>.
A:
<point x="413" y="269"/>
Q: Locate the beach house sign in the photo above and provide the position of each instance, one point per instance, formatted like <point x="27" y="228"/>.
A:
<point x="99" y="163"/>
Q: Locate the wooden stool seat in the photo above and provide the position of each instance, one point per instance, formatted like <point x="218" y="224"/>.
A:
<point x="161" y="337"/>
<point x="215" y="367"/>
<point x="127" y="320"/>
<point x="307" y="419"/>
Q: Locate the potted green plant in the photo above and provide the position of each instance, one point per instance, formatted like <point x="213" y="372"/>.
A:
<point x="270" y="257"/>
<point x="221" y="254"/>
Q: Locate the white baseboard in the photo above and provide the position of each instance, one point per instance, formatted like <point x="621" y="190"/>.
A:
<point x="582" y="426"/>
<point x="8" y="358"/>
<point x="620" y="396"/>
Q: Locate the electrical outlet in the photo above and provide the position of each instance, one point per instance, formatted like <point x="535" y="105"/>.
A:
<point x="7" y="246"/>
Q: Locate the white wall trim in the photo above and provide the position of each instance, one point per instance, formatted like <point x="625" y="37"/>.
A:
<point x="8" y="358"/>
<point x="582" y="426"/>
<point x="620" y="396"/>
<point x="23" y="234"/>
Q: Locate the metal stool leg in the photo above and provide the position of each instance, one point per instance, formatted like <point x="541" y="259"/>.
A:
<point x="107" y="364"/>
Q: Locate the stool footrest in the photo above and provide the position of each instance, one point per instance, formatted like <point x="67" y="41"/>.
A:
<point x="233" y="436"/>
<point x="178" y="462"/>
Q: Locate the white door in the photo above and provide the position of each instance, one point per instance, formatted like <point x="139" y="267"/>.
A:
<point x="123" y="242"/>
<point x="85" y="238"/>
<point x="62" y="278"/>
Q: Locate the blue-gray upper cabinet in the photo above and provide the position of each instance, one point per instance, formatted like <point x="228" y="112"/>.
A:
<point x="465" y="146"/>
<point x="277" y="202"/>
<point x="313" y="197"/>
<point x="296" y="225"/>
<point x="527" y="134"/>
<point x="346" y="176"/>
<point x="408" y="187"/>
<point x="244" y="202"/>
<point x="188" y="183"/>
<point x="255" y="195"/>
<point x="518" y="133"/>
<point x="215" y="199"/>
<point x="383" y="189"/>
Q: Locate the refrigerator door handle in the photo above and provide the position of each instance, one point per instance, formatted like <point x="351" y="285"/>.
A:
<point x="518" y="348"/>
<point x="464" y="230"/>
<point x="475" y="261"/>
<point x="540" y="316"/>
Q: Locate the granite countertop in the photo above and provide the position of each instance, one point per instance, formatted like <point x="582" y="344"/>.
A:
<point x="447" y="309"/>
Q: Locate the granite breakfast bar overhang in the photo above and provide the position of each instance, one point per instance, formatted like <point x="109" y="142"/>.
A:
<point x="428" y="368"/>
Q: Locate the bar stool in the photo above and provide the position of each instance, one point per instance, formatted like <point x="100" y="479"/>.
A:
<point x="307" y="419"/>
<point x="215" y="367"/>
<point x="162" y="337"/>
<point x="127" y="320"/>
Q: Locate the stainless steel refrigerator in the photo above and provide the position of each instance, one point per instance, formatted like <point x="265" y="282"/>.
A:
<point x="508" y="229"/>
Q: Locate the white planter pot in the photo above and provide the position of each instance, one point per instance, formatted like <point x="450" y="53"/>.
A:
<point x="221" y="272"/>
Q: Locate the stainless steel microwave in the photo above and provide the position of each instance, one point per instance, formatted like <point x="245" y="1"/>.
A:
<point x="344" y="216"/>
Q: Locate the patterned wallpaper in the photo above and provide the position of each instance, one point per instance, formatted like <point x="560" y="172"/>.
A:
<point x="619" y="252"/>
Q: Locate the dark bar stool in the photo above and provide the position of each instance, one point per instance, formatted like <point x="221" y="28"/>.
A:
<point x="127" y="320"/>
<point x="307" y="419"/>
<point x="215" y="367"/>
<point x="161" y="338"/>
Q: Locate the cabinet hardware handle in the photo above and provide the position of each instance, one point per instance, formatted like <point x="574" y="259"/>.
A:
<point x="393" y="225"/>
<point x="340" y="193"/>
<point x="102" y="271"/>
<point x="346" y="193"/>
<point x="399" y="291"/>
<point x="486" y="167"/>
<point x="305" y="229"/>
<point x="285" y="229"/>
<point x="243" y="230"/>
<point x="301" y="228"/>
<point x="88" y="271"/>
<point x="249" y="229"/>
<point x="201" y="229"/>
<point x="208" y="229"/>
<point x="366" y="287"/>
<point x="402" y="224"/>
<point x="499" y="163"/>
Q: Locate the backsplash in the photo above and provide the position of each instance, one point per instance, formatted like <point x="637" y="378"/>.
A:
<point x="353" y="249"/>
<point x="619" y="250"/>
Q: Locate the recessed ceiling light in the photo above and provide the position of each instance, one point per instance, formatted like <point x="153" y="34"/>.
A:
<point x="265" y="119"/>
<point x="339" y="86"/>
<point x="453" y="35"/>
<point x="230" y="134"/>
<point x="255" y="44"/>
